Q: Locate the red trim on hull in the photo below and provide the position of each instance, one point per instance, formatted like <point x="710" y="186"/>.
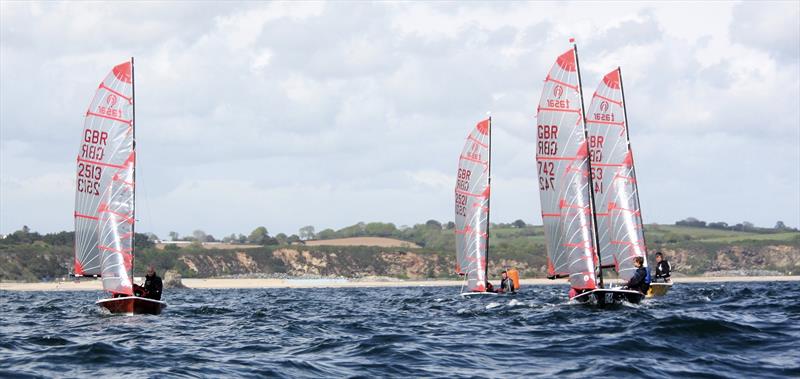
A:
<point x="132" y="305"/>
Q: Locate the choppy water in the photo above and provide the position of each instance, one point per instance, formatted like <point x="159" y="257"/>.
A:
<point x="699" y="330"/>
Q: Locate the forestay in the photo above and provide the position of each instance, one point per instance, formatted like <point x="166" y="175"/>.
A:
<point x="619" y="218"/>
<point x="563" y="167"/>
<point x="104" y="194"/>
<point x="472" y="207"/>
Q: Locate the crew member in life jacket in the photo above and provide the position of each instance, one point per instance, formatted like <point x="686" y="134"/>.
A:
<point x="506" y="284"/>
<point x="489" y="287"/>
<point x="639" y="281"/>
<point x="152" y="285"/>
<point x="663" y="268"/>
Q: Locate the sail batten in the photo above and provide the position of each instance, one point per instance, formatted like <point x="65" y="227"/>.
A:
<point x="104" y="187"/>
<point x="472" y="194"/>
<point x="564" y="183"/>
<point x="620" y="226"/>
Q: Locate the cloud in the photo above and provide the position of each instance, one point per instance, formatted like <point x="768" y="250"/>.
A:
<point x="289" y="114"/>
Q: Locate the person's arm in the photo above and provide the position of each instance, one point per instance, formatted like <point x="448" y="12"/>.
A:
<point x="634" y="282"/>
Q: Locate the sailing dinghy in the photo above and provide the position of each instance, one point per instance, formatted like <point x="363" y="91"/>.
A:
<point x="105" y="194"/>
<point x="619" y="216"/>
<point x="565" y="188"/>
<point x="472" y="194"/>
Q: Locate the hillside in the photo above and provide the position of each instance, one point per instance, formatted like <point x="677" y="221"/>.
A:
<point x="692" y="251"/>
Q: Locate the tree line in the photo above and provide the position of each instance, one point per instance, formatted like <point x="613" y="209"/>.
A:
<point x="744" y="226"/>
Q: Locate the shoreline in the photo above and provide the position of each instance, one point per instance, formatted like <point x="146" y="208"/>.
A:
<point x="219" y="283"/>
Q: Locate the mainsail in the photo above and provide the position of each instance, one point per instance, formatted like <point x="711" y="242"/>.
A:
<point x="619" y="218"/>
<point x="472" y="206"/>
<point x="104" y="203"/>
<point x="562" y="160"/>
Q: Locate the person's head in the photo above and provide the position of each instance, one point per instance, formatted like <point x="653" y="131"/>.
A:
<point x="659" y="256"/>
<point x="151" y="270"/>
<point x="504" y="274"/>
<point x="638" y="261"/>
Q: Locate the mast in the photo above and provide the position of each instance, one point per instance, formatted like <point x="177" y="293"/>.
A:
<point x="488" y="205"/>
<point x="589" y="163"/>
<point x="133" y="122"/>
<point x="633" y="166"/>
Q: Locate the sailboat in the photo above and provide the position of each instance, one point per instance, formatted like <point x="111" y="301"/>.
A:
<point x="620" y="227"/>
<point x="105" y="194"/>
<point x="565" y="186"/>
<point x="472" y="193"/>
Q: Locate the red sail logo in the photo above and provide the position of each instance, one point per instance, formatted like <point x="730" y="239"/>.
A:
<point x="604" y="106"/>
<point x="111" y="100"/>
<point x="558" y="91"/>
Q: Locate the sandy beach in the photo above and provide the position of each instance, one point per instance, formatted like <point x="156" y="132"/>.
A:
<point x="215" y="283"/>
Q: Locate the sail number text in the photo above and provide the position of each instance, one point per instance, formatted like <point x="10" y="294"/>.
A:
<point x="462" y="184"/>
<point x="92" y="148"/>
<point x="89" y="178"/>
<point x="548" y="140"/>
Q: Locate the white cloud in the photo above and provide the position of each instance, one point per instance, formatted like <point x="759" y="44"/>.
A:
<point x="288" y="114"/>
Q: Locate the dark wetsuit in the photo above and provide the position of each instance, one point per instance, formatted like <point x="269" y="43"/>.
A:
<point x="662" y="271"/>
<point x="489" y="287"/>
<point x="638" y="282"/>
<point x="507" y="285"/>
<point x="152" y="286"/>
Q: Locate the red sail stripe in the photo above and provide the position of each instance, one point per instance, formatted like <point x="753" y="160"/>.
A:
<point x="101" y="163"/>
<point x="470" y="137"/>
<point x="555" y="158"/>
<point x="550" y="79"/>
<point x="616" y="123"/>
<point x="566" y="110"/>
<point x="86" y="216"/>
<point x="128" y="122"/>
<point x="461" y="192"/>
<point x="607" y="99"/>
<point x="472" y="160"/>
<point x="103" y="86"/>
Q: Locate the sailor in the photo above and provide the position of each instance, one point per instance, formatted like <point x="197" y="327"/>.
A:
<point x="506" y="284"/>
<point x="489" y="287"/>
<point x="662" y="268"/>
<point x="639" y="280"/>
<point x="152" y="284"/>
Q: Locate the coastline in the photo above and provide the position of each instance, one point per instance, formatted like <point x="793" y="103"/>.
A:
<point x="220" y="283"/>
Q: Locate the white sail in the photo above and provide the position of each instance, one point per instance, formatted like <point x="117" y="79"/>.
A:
<point x="106" y="143"/>
<point x="564" y="183"/>
<point x="619" y="219"/>
<point x="104" y="195"/>
<point x="472" y="207"/>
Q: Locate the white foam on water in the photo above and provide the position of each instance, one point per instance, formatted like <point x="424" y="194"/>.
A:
<point x="492" y="305"/>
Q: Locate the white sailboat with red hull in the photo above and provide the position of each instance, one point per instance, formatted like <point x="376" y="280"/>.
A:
<point x="564" y="167"/>
<point x="105" y="194"/>
<point x="472" y="194"/>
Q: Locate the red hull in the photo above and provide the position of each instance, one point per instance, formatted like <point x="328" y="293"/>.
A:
<point x="132" y="305"/>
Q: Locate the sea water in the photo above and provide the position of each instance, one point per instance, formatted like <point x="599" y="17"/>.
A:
<point x="711" y="330"/>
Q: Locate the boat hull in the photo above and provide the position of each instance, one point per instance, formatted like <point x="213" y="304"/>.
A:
<point x="477" y="294"/>
<point x="609" y="296"/>
<point x="658" y="289"/>
<point x="132" y="305"/>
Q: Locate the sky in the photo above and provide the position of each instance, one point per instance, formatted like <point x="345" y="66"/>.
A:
<point x="329" y="114"/>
